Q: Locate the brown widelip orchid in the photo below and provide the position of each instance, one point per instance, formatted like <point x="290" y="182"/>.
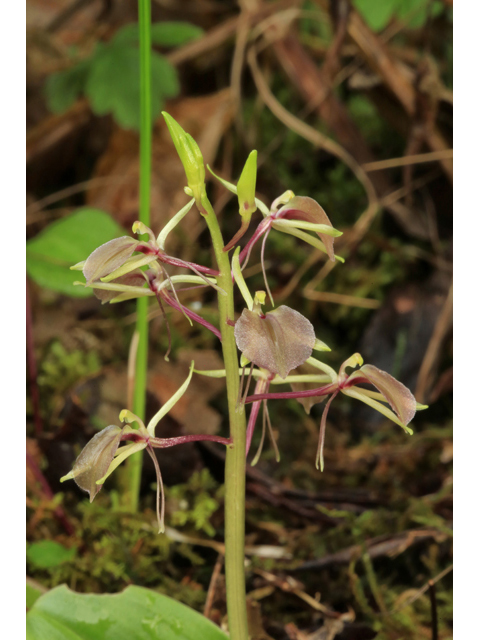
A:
<point x="297" y="216"/>
<point x="276" y="342"/>
<point x="403" y="405"/>
<point x="114" y="271"/>
<point x="103" y="454"/>
<point x="275" y="347"/>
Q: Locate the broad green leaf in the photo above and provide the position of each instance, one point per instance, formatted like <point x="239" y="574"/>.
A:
<point x="65" y="242"/>
<point x="34" y="591"/>
<point x="134" y="614"/>
<point x="174" y="34"/>
<point x="113" y="84"/>
<point x="64" y="87"/>
<point x="376" y="13"/>
<point x="48" y="553"/>
<point x="415" y="12"/>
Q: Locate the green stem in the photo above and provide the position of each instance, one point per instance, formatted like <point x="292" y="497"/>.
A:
<point x="235" y="462"/>
<point x="132" y="476"/>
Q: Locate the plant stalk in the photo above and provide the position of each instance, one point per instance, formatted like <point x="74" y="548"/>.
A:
<point x="235" y="460"/>
<point x="131" y="478"/>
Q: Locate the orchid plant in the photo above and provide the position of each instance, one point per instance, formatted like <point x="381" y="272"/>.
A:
<point x="275" y="346"/>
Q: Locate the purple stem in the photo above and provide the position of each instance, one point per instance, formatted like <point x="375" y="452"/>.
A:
<point x="59" y="512"/>
<point x="32" y="369"/>
<point x="191" y="314"/>
<point x="285" y="395"/>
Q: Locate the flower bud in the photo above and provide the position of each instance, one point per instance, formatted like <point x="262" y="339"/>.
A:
<point x="246" y="187"/>
<point x="190" y="155"/>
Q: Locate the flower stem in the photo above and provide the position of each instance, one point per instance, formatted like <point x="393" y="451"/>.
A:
<point x="235" y="461"/>
<point x="130" y="480"/>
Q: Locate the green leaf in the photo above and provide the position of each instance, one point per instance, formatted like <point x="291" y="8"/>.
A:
<point x="48" y="554"/>
<point x="136" y="613"/>
<point x="65" y="242"/>
<point x="415" y="12"/>
<point x="174" y="34"/>
<point x="64" y="87"/>
<point x="113" y="84"/>
<point x="376" y="13"/>
<point x="34" y="591"/>
<point x="164" y="34"/>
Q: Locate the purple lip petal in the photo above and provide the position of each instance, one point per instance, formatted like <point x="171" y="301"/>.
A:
<point x="286" y="395"/>
<point x="395" y="393"/>
<point x="308" y="210"/>
<point x="191" y="314"/>
<point x="279" y="341"/>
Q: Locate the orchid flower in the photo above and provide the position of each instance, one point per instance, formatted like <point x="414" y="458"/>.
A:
<point x="297" y="216"/>
<point x="115" y="258"/>
<point x="389" y="391"/>
<point x="103" y="454"/>
<point x="275" y="342"/>
<point x="114" y="272"/>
